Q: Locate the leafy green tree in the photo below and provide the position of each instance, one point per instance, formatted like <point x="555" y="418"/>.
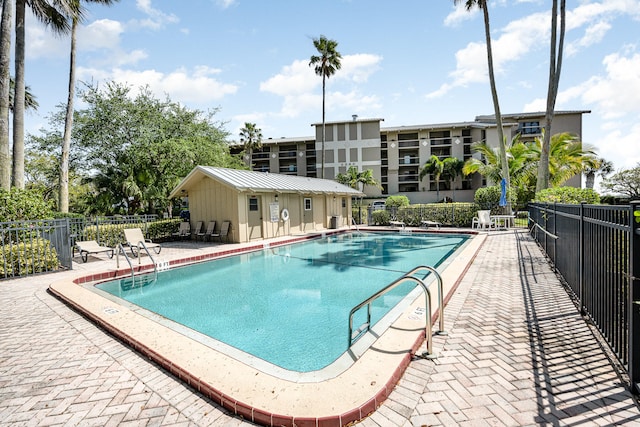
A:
<point x="325" y="64"/>
<point x="20" y="204"/>
<point x="397" y="201"/>
<point x="502" y="142"/>
<point x="625" y="182"/>
<point x="251" y="139"/>
<point x="134" y="149"/>
<point x="568" y="195"/>
<point x="76" y="17"/>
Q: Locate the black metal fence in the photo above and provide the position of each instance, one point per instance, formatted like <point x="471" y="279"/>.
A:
<point x="596" y="250"/>
<point x="41" y="246"/>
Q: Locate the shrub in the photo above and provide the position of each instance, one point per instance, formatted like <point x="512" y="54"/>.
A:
<point x="380" y="217"/>
<point x="18" y="205"/>
<point x="34" y="256"/>
<point x="397" y="201"/>
<point x="488" y="198"/>
<point x="569" y="195"/>
<point x="112" y="234"/>
<point x="453" y="214"/>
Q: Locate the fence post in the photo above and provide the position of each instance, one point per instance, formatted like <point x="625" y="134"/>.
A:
<point x="634" y="297"/>
<point x="581" y="258"/>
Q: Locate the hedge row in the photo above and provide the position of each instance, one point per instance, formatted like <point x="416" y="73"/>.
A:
<point x="112" y="234"/>
<point x="452" y="214"/>
<point x="35" y="256"/>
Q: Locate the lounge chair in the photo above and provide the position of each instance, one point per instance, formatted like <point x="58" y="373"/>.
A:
<point x="184" y="230"/>
<point x="86" y="247"/>
<point x="483" y="220"/>
<point x="135" y="239"/>
<point x="224" y="231"/>
<point x="426" y="224"/>
<point x="210" y="232"/>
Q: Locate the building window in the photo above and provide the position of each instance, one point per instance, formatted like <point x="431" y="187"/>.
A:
<point x="344" y="202"/>
<point x="307" y="204"/>
<point x="253" y="203"/>
<point x="529" y="128"/>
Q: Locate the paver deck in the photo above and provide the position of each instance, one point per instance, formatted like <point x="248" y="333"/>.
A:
<point x="517" y="353"/>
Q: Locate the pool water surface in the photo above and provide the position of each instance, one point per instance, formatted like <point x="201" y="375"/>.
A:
<point x="289" y="305"/>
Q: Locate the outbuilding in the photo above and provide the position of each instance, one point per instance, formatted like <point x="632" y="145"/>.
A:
<point x="261" y="205"/>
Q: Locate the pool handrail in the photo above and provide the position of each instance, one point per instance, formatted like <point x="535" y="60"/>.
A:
<point x="367" y="302"/>
<point x="120" y="248"/>
<point x="441" y="330"/>
<point x="153" y="261"/>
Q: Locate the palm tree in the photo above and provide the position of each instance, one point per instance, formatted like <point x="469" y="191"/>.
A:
<point x="502" y="144"/>
<point x="63" y="199"/>
<point x="5" y="55"/>
<point x="326" y="64"/>
<point x="567" y="157"/>
<point x="601" y="167"/>
<point x="52" y="14"/>
<point x="251" y="138"/>
<point x="434" y="166"/>
<point x="452" y="170"/>
<point x="355" y="179"/>
<point x="555" y="65"/>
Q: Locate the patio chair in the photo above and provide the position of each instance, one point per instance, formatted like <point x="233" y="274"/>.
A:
<point x="209" y="232"/>
<point x="135" y="239"/>
<point x="483" y="220"/>
<point x="184" y="230"/>
<point x="86" y="247"/>
<point x="427" y="223"/>
<point x="224" y="231"/>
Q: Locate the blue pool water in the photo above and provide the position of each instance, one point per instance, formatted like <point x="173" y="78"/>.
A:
<point x="290" y="305"/>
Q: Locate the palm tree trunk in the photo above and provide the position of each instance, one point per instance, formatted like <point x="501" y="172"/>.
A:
<point x="323" y="123"/>
<point x="5" y="84"/>
<point x="63" y="201"/>
<point x="18" y="99"/>
<point x="555" y="65"/>
<point x="494" y="95"/>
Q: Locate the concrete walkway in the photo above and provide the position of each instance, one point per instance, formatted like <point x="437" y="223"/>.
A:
<point x="517" y="353"/>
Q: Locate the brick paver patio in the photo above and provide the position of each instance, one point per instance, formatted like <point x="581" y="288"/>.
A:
<point x="517" y="353"/>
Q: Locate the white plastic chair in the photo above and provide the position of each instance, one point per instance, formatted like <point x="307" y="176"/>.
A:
<point x="483" y="220"/>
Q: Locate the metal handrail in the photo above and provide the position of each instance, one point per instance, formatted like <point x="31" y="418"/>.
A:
<point x="121" y="248"/>
<point x="153" y="261"/>
<point x="368" y="301"/>
<point x="440" y="293"/>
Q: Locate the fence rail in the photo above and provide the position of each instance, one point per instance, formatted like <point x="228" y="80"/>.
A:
<point x="42" y="246"/>
<point x="596" y="250"/>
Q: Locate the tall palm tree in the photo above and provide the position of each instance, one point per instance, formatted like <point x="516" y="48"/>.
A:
<point x="5" y="55"/>
<point x="434" y="166"/>
<point x="567" y="157"/>
<point x="76" y="18"/>
<point x="555" y="65"/>
<point x="326" y="64"/>
<point x="502" y="143"/>
<point x="251" y="139"/>
<point x="601" y="167"/>
<point x="54" y="14"/>
<point x="452" y="170"/>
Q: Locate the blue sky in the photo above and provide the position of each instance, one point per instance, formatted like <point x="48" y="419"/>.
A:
<point x="408" y="62"/>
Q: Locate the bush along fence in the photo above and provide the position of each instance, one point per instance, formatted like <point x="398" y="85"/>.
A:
<point x="448" y="214"/>
<point x="596" y="250"/>
<point x="41" y="246"/>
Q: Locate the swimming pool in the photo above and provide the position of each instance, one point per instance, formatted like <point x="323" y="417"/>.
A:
<point x="289" y="305"/>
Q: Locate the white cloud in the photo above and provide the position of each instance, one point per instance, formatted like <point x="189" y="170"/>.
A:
<point x="225" y="4"/>
<point x="459" y="15"/>
<point x="196" y="86"/>
<point x="156" y="19"/>
<point x="620" y="145"/>
<point x="100" y="34"/>
<point x="297" y="84"/>
<point x="522" y="36"/>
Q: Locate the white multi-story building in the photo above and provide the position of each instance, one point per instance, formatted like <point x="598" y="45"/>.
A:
<point x="396" y="154"/>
